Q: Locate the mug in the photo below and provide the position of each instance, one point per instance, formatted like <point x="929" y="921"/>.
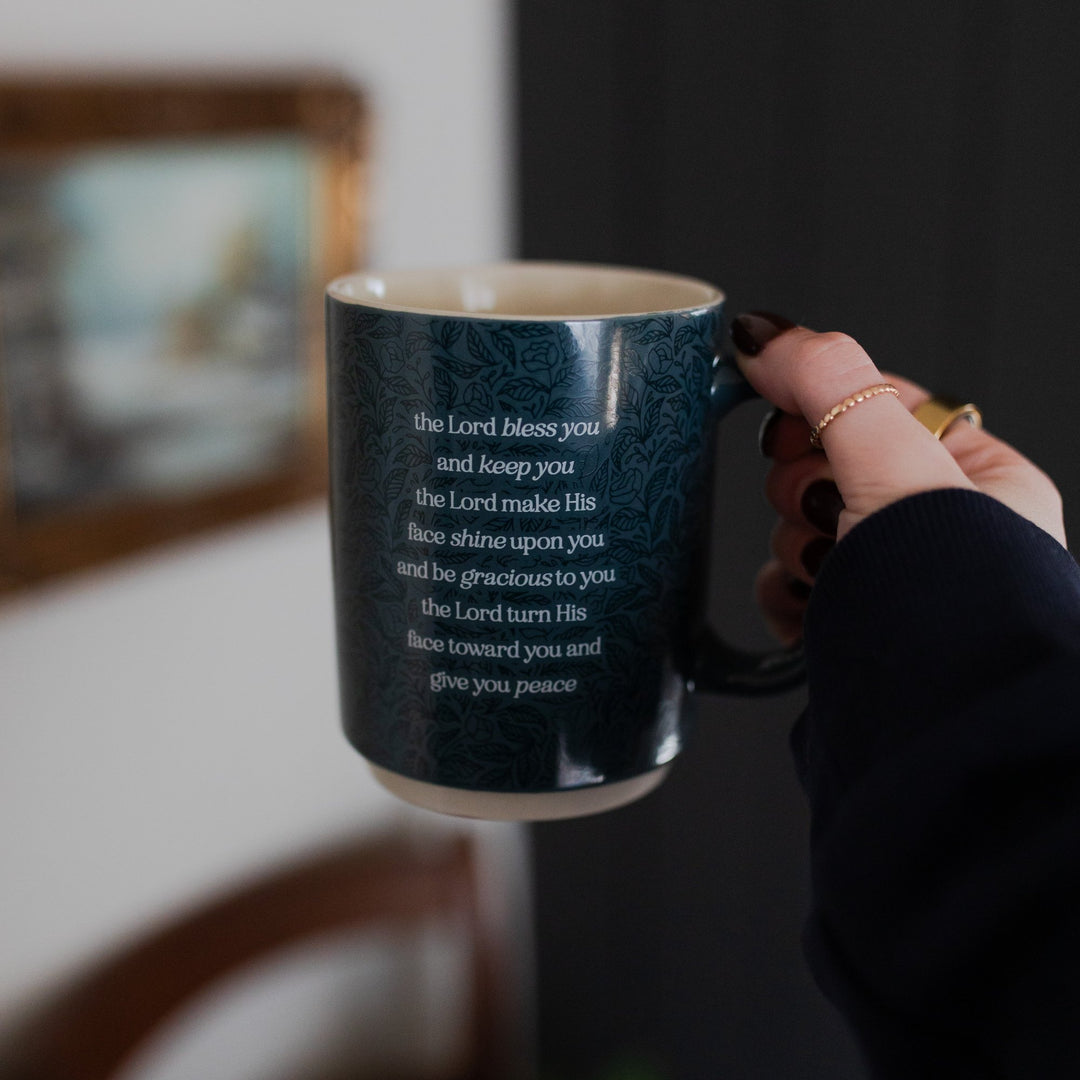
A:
<point x="521" y="462"/>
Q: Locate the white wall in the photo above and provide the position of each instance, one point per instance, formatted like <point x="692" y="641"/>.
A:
<point x="172" y="722"/>
<point x="436" y="71"/>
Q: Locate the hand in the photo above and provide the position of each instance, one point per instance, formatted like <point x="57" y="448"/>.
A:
<point x="875" y="453"/>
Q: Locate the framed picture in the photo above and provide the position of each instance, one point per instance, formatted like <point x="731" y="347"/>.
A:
<point x="163" y="250"/>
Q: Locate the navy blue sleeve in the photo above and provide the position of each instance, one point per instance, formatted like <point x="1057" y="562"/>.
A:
<point x="941" y="755"/>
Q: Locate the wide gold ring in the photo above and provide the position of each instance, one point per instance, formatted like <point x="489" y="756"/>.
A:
<point x="938" y="414"/>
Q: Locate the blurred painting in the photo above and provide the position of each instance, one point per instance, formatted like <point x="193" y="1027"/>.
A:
<point x="163" y="250"/>
<point x="151" y="327"/>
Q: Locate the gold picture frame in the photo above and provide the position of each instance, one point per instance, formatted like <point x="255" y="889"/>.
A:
<point x="164" y="244"/>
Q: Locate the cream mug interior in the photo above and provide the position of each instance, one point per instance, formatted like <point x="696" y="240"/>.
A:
<point x="528" y="291"/>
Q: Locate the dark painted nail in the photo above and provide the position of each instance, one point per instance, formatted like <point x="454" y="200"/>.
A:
<point x="752" y="331"/>
<point x="767" y="432"/>
<point x="799" y="588"/>
<point x="815" y="553"/>
<point x="821" y="505"/>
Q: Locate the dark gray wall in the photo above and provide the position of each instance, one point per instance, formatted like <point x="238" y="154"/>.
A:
<point x="906" y="172"/>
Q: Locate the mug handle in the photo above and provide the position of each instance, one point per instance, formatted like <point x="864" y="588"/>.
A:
<point x="719" y="668"/>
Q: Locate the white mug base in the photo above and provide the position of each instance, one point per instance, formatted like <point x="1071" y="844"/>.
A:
<point x="523" y="806"/>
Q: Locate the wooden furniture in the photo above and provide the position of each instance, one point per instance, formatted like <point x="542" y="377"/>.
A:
<point x="89" y="1028"/>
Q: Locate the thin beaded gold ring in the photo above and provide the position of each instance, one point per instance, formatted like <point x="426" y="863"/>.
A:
<point x="849" y="403"/>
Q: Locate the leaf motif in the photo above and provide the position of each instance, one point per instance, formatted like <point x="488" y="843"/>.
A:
<point x="477" y="396"/>
<point x="525" y="330"/>
<point x="533" y="525"/>
<point x="629" y="552"/>
<point x="388" y="327"/>
<point x="559" y="407"/>
<point x="650" y="419"/>
<point x="656" y="486"/>
<point x="401" y="517"/>
<point x="478" y="349"/>
<point x="664" y="384"/>
<point x="618" y="599"/>
<point x="505" y="344"/>
<point x="600" y="478"/>
<point x="653" y="330"/>
<point x="574" y="408"/>
<point x="411" y="455"/>
<point x="384" y="414"/>
<point x="418" y="341"/>
<point x="399" y="385"/>
<point x="458" y="366"/>
<point x="566" y="342"/>
<point x="625" y="443"/>
<point x="454" y="558"/>
<point x="445" y="388"/>
<point x="449" y="333"/>
<point x="633" y="365"/>
<point x="662" y="512"/>
<point x="652" y="579"/>
<point x="362" y="323"/>
<point x="650" y="337"/>
<point x="393" y="356"/>
<point x="523" y="388"/>
<point x="396" y="479"/>
<point x="626" y="520"/>
<point x="685" y="335"/>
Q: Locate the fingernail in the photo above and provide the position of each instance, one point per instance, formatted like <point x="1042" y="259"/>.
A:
<point x="767" y="432"/>
<point x="815" y="553"/>
<point x="752" y="331"/>
<point x="799" y="589"/>
<point x="821" y="505"/>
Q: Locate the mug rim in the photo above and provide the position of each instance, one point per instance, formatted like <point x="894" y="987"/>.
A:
<point x="369" y="289"/>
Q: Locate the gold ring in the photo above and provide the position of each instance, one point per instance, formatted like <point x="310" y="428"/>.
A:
<point x="938" y="414"/>
<point x="849" y="403"/>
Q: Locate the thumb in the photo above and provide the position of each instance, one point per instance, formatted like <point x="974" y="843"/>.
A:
<point x="877" y="450"/>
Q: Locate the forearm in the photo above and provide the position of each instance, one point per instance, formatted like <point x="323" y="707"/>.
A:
<point x="941" y="754"/>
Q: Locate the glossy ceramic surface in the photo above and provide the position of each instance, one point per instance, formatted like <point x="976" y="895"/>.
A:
<point x="519" y="503"/>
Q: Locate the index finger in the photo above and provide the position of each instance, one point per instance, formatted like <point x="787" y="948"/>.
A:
<point x="878" y="451"/>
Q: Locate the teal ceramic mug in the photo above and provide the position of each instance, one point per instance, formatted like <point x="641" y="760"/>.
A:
<point x="521" y="462"/>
